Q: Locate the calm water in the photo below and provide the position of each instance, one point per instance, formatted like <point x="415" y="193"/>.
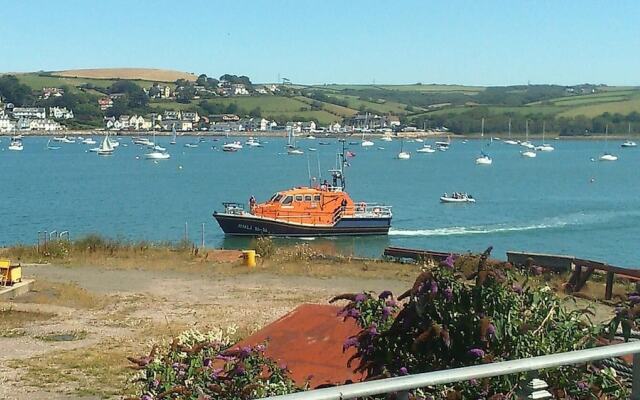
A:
<point x="546" y="204"/>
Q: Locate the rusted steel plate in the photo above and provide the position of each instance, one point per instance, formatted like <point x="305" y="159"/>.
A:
<point x="309" y="341"/>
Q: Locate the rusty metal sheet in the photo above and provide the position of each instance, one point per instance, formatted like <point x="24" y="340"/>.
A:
<point x="309" y="341"/>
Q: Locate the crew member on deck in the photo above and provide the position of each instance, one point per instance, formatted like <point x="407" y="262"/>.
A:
<point x="252" y="203"/>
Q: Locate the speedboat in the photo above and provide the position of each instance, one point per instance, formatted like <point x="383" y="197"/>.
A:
<point x="312" y="149"/>
<point x="509" y="141"/>
<point x="484" y="159"/>
<point x="629" y="143"/>
<point x="251" y="142"/>
<point x="608" y="157"/>
<point x="386" y="138"/>
<point x="191" y="145"/>
<point x="528" y="154"/>
<point x="63" y="139"/>
<point x="16" y="145"/>
<point x="527" y="144"/>
<point x="404" y="155"/>
<point x="419" y="140"/>
<point x="89" y="141"/>
<point x="319" y="210"/>
<point x="425" y="149"/>
<point x="311" y="137"/>
<point x="233" y="146"/>
<point x="457" y="198"/>
<point x="544" y="147"/>
<point x="157" y="155"/>
<point x="367" y="143"/>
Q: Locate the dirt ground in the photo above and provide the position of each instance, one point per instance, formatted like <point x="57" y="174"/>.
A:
<point x="68" y="338"/>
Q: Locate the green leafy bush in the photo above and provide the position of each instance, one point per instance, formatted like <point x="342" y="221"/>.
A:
<point x="451" y="320"/>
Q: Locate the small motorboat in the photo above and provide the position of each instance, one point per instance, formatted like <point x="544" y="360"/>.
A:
<point x="157" y="155"/>
<point x="50" y="147"/>
<point x="295" y="152"/>
<point x="191" y="145"/>
<point x="63" y="139"/>
<point x="16" y="145"/>
<point x="457" y="198"/>
<point x="426" y="149"/>
<point x="158" y="148"/>
<point x="404" y="155"/>
<point x="629" y="143"/>
<point x="311" y="137"/>
<point x="233" y="146"/>
<point x="324" y="143"/>
<point x="251" y="142"/>
<point x="528" y="154"/>
<point x="544" y="147"/>
<point x="509" y="141"/>
<point x="608" y="157"/>
<point x="386" y="138"/>
<point x="312" y="149"/>
<point x="142" y="141"/>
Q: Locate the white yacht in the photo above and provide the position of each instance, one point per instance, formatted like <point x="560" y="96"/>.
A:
<point x="16" y="145"/>
<point x="607" y="156"/>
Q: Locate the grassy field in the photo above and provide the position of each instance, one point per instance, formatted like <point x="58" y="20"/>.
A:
<point x="623" y="107"/>
<point x="145" y="74"/>
<point x="407" y="88"/>
<point x="37" y="82"/>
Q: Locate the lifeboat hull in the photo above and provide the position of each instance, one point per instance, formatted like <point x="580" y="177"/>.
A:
<point x="249" y="225"/>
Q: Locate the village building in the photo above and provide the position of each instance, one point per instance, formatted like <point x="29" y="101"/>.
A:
<point x="60" y="113"/>
<point x="170" y="114"/>
<point x="29" y="112"/>
<point x="226" y="127"/>
<point x="105" y="103"/>
<point x="51" y="92"/>
<point x="6" y="124"/>
<point x="191" y="116"/>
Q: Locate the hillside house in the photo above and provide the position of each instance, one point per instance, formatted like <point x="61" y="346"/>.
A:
<point x="181" y="125"/>
<point x="138" y="122"/>
<point x="308" y="126"/>
<point x="60" y="113"/>
<point x="105" y="103"/>
<point x="29" y="112"/>
<point x="255" y="124"/>
<point x="224" y="118"/>
<point x="51" y="92"/>
<point x="191" y="116"/>
<point x="170" y="114"/>
<point x="238" y="89"/>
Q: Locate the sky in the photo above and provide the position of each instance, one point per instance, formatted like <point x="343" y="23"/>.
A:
<point x="472" y="42"/>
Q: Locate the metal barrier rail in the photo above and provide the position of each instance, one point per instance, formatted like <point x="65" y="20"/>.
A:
<point x="404" y="383"/>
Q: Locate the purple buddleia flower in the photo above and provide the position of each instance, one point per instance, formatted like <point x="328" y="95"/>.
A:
<point x="373" y="329"/>
<point x="239" y="369"/>
<point x="517" y="288"/>
<point x="491" y="330"/>
<point x="403" y="371"/>
<point x="477" y="353"/>
<point x="582" y="385"/>
<point x="245" y="352"/>
<point x="433" y="288"/>
<point x="353" y="313"/>
<point x="360" y="297"/>
<point x="634" y="299"/>
<point x="207" y="362"/>
<point x="448" y="294"/>
<point x="385" y="294"/>
<point x="449" y="261"/>
<point x="473" y="382"/>
<point x="386" y="312"/>
<point x="392" y="303"/>
<point x="260" y="348"/>
<point x="146" y="397"/>
<point x="155" y="383"/>
<point x="351" y="342"/>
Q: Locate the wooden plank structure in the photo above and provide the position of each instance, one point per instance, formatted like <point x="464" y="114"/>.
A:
<point x="581" y="269"/>
<point x="415" y="254"/>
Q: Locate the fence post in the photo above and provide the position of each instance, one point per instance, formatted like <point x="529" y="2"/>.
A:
<point x="635" y="384"/>
<point x="202" y="236"/>
<point x="608" y="292"/>
<point x="38" y="242"/>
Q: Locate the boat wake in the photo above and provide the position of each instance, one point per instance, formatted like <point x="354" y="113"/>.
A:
<point x="578" y="219"/>
<point x="472" y="230"/>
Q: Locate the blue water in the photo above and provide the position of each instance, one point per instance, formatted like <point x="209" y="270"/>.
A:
<point x="545" y="204"/>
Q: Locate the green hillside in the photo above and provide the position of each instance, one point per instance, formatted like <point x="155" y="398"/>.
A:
<point x="566" y="110"/>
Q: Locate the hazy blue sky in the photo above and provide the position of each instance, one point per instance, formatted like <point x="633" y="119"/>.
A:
<point x="325" y="41"/>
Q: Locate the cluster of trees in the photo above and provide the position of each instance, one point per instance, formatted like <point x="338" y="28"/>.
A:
<point x="12" y="91"/>
<point x="209" y="108"/>
<point x="469" y="122"/>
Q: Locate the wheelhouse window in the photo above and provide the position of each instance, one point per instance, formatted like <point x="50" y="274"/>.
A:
<point x="298" y="197"/>
<point x="287" y="200"/>
<point x="316" y="198"/>
<point x="307" y="197"/>
<point x="275" y="198"/>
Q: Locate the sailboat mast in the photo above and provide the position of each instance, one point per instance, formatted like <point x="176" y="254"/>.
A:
<point x="509" y="128"/>
<point x="526" y="130"/>
<point x="543" y="129"/>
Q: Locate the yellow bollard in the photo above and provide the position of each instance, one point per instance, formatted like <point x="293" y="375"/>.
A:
<point x="249" y="258"/>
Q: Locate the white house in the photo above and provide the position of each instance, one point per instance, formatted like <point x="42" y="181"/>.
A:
<point x="170" y="114"/>
<point x="6" y="124"/>
<point x="60" y="113"/>
<point x="238" y="89"/>
<point x="138" y="122"/>
<point x="309" y="126"/>
<point x="191" y="116"/>
<point x="44" y="125"/>
<point x="335" y="127"/>
<point x="29" y="112"/>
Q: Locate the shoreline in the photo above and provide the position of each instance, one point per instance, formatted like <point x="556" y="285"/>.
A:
<point x="318" y="135"/>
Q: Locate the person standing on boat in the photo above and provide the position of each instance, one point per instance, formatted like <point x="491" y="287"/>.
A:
<point x="252" y="203"/>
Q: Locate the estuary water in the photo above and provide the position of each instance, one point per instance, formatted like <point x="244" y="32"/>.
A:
<point x="559" y="202"/>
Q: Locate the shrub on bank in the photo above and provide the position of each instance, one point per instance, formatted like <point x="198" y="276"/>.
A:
<point x="204" y="366"/>
<point x="449" y="322"/>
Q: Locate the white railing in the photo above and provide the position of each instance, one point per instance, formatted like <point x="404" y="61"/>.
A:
<point x="401" y="384"/>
